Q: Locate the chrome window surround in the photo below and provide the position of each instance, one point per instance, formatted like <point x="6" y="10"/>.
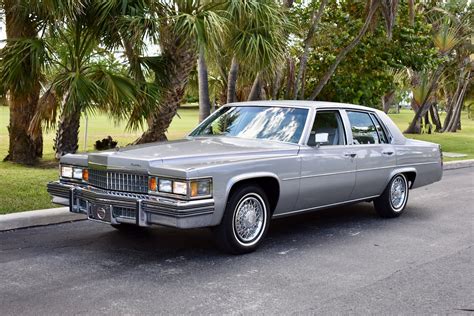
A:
<point x="382" y="124"/>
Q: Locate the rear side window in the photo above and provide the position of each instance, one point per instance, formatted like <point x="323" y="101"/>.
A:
<point x="363" y="128"/>
<point x="380" y="131"/>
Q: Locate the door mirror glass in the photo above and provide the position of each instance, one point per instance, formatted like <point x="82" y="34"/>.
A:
<point x="321" y="138"/>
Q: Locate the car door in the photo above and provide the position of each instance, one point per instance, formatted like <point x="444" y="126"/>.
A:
<point x="327" y="170"/>
<point x="374" y="155"/>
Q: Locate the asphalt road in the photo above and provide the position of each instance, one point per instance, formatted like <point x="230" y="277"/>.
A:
<point x="344" y="260"/>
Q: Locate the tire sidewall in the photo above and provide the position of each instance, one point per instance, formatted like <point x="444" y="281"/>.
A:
<point x="400" y="209"/>
<point x="231" y="209"/>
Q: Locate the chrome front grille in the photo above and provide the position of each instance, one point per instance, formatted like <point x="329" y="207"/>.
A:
<point x="118" y="181"/>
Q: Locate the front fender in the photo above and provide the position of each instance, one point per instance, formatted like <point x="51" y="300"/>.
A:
<point x="246" y="176"/>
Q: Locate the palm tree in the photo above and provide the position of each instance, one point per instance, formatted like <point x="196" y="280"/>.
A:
<point x="205" y="24"/>
<point x="20" y="76"/>
<point x="180" y="55"/>
<point x="84" y="78"/>
<point x="256" y="39"/>
<point x="21" y="69"/>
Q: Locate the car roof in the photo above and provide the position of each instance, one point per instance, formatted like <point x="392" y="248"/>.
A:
<point x="303" y="104"/>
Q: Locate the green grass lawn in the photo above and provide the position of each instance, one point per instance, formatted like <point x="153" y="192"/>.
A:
<point x="24" y="188"/>
<point x="459" y="142"/>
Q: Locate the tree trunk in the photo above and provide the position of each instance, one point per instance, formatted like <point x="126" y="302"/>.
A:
<point x="454" y="123"/>
<point x="387" y="100"/>
<point x="427" y="126"/>
<point x="203" y="82"/>
<point x="232" y="81"/>
<point x="181" y="59"/>
<point x="411" y="11"/>
<point x="324" y="80"/>
<point x="67" y="134"/>
<point x="23" y="147"/>
<point x="315" y="18"/>
<point x="435" y="117"/>
<point x="277" y="84"/>
<point x="425" y="105"/>
<point x="256" y="91"/>
<point x="290" y="77"/>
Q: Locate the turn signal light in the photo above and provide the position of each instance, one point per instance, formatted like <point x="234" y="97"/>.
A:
<point x="152" y="184"/>
<point x="85" y="175"/>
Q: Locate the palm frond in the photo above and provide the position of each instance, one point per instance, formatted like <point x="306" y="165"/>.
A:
<point x="447" y="37"/>
<point x="22" y="63"/>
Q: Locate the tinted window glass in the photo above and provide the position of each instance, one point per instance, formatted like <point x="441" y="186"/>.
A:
<point x="258" y="122"/>
<point x="363" y="129"/>
<point x="380" y="131"/>
<point x="328" y="122"/>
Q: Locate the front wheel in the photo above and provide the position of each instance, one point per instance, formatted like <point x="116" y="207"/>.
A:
<point x="245" y="221"/>
<point x="393" y="200"/>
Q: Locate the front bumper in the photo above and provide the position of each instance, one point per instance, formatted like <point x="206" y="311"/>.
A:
<point x="132" y="208"/>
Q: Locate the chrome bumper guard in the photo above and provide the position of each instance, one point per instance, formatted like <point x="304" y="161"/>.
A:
<point x="132" y="208"/>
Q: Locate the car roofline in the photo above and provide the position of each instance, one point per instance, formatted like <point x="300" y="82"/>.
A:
<point x="303" y="104"/>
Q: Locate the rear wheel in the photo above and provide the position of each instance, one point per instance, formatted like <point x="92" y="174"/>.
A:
<point x="245" y="221"/>
<point x="394" y="199"/>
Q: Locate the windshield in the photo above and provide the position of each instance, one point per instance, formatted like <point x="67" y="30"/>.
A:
<point x="256" y="122"/>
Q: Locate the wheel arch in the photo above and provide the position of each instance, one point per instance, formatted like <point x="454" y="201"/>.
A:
<point x="408" y="172"/>
<point x="269" y="183"/>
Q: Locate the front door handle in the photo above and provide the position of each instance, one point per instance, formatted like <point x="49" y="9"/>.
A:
<point x="387" y="153"/>
<point x="352" y="155"/>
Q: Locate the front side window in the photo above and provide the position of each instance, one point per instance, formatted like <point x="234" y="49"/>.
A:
<point x="363" y="128"/>
<point x="256" y="122"/>
<point x="328" y="122"/>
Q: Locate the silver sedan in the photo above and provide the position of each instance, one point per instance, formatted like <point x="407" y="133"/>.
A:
<point x="250" y="162"/>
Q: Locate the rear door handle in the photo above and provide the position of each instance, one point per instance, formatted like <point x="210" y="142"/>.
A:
<point x="387" y="153"/>
<point x="352" y="155"/>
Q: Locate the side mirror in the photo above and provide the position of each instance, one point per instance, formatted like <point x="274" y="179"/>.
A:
<point x="321" y="138"/>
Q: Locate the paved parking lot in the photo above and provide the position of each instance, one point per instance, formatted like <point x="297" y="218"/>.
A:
<point x="344" y="260"/>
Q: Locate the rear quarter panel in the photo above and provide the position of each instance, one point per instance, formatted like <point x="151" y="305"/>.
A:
<point x="424" y="157"/>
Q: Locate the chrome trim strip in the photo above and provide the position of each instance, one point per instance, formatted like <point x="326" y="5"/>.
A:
<point x="322" y="206"/>
<point x="361" y="170"/>
<point x="419" y="164"/>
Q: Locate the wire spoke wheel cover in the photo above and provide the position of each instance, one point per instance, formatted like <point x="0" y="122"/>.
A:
<point x="398" y="193"/>
<point x="249" y="219"/>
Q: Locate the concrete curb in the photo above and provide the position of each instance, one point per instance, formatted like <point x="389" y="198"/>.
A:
<point x="38" y="218"/>
<point x="458" y="164"/>
<point x="62" y="214"/>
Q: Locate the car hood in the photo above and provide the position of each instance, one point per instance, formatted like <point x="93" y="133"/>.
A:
<point x="191" y="153"/>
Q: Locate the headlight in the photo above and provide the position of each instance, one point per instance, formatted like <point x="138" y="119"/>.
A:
<point x="180" y="188"/>
<point x="189" y="188"/>
<point x="200" y="188"/>
<point x="77" y="173"/>
<point x="165" y="186"/>
<point x="66" y="172"/>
